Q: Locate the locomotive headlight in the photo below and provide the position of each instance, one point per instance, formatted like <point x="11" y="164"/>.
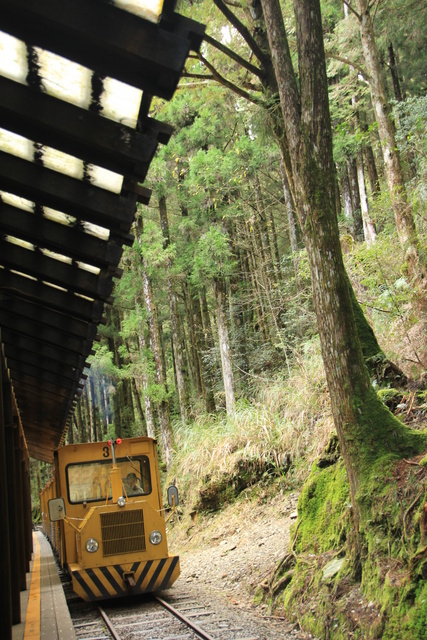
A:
<point x="121" y="501"/>
<point x="155" y="537"/>
<point x="92" y="545"/>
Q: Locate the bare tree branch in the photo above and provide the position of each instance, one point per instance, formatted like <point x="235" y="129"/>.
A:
<point x="344" y="60"/>
<point x="202" y="76"/>
<point x="240" y="27"/>
<point x="347" y="4"/>
<point x="192" y="85"/>
<point x="226" y="83"/>
<point x="374" y="13"/>
<point x="234" y="56"/>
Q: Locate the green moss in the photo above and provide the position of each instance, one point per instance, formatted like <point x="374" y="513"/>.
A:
<point x="379" y="434"/>
<point x="390" y="396"/>
<point x="389" y="598"/>
<point x="324" y="509"/>
<point x="409" y="618"/>
<point x="368" y="341"/>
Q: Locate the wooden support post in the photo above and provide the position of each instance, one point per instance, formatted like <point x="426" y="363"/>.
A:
<point x="13" y="502"/>
<point x="6" y="601"/>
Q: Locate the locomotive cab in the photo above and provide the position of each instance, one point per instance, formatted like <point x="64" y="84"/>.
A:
<point x="111" y="519"/>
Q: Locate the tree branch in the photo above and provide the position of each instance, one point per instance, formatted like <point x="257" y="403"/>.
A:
<point x="352" y="10"/>
<point x="344" y="60"/>
<point x="375" y="9"/>
<point x="201" y="76"/>
<point x="234" y="56"/>
<point x="240" y="27"/>
<point x="192" y="85"/>
<point x="226" y="83"/>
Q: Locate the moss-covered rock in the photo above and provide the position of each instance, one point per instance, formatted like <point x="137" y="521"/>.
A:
<point x="387" y="598"/>
<point x="215" y="492"/>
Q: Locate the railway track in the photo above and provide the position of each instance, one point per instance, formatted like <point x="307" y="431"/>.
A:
<point x="151" y="618"/>
<point x="176" y="614"/>
<point x="171" y="616"/>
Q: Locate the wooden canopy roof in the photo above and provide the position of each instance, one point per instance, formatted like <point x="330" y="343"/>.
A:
<point x="73" y="155"/>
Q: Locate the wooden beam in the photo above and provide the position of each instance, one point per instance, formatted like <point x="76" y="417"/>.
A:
<point x="34" y="346"/>
<point x="68" y="276"/>
<point x="40" y="375"/>
<point x="80" y="199"/>
<point x="39" y="331"/>
<point x="100" y="36"/>
<point x="78" y="132"/>
<point x="39" y="386"/>
<point x="57" y="367"/>
<point x="13" y="284"/>
<point x="18" y="307"/>
<point x="65" y="240"/>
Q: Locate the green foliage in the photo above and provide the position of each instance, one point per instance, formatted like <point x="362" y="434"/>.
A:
<point x="213" y="257"/>
<point x="404" y="25"/>
<point x="411" y="138"/>
<point x="102" y="361"/>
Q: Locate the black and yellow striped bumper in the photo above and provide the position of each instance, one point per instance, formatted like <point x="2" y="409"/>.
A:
<point x="101" y="583"/>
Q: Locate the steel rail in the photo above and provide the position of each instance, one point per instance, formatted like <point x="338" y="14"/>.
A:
<point x="109" y="624"/>
<point x="202" y="634"/>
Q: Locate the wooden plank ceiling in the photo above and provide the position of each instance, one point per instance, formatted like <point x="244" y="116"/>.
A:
<point x="71" y="168"/>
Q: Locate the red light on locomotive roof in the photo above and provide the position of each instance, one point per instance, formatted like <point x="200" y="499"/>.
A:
<point x="119" y="441"/>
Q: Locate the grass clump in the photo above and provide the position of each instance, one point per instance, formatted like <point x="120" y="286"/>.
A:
<point x="272" y="438"/>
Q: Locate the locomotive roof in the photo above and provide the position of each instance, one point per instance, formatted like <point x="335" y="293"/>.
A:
<point x="76" y="82"/>
<point x="123" y="441"/>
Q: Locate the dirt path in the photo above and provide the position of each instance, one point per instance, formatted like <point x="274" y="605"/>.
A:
<point x="226" y="556"/>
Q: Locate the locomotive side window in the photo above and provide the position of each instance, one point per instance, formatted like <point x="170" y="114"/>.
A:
<point x="90" y="481"/>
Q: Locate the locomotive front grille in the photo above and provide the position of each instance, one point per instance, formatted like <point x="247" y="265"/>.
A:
<point x="122" y="532"/>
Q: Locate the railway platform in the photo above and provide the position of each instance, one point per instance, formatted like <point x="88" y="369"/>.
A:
<point x="45" y="615"/>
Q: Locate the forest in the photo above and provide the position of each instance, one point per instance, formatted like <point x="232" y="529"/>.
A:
<point x="270" y="323"/>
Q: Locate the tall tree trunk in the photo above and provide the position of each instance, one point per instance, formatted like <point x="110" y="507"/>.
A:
<point x="307" y="120"/>
<point x="138" y="405"/>
<point x="224" y="345"/>
<point x="177" y="342"/>
<point x="394" y="74"/>
<point x="149" y="412"/>
<point x="81" y="425"/>
<point x="105" y="410"/>
<point x="293" y="228"/>
<point x="368" y="224"/>
<point x="254" y="261"/>
<point x="193" y="343"/>
<point x="347" y="203"/>
<point x="355" y="197"/>
<point x="208" y="344"/>
<point x="371" y="167"/>
<point x="402" y="212"/>
<point x="156" y="349"/>
<point x="267" y="243"/>
<point x="89" y="411"/>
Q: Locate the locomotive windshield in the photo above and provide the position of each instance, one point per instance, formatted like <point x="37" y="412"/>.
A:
<point x="90" y="481"/>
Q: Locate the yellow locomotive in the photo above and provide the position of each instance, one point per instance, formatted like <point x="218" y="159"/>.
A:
<point x="104" y="516"/>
